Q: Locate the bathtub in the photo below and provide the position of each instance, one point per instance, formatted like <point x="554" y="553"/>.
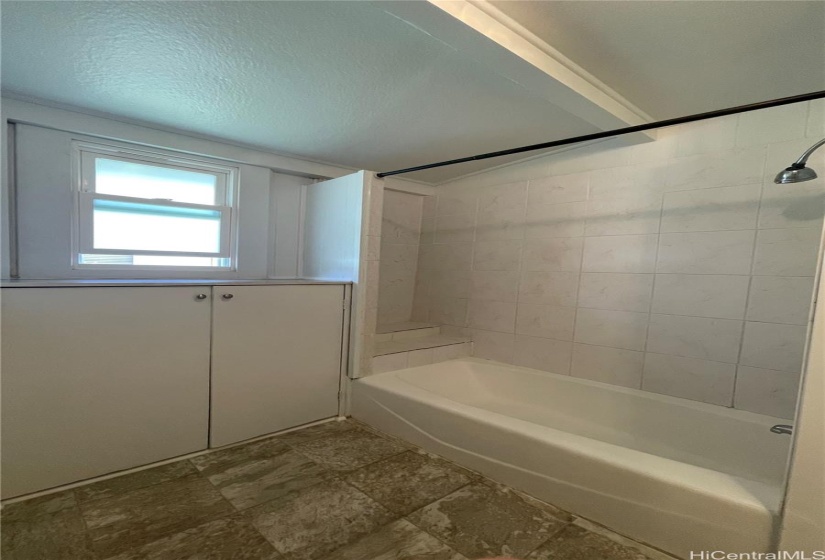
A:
<point x="679" y="475"/>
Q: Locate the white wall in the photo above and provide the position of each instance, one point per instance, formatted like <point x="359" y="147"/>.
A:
<point x="332" y="228"/>
<point x="286" y="212"/>
<point x="676" y="267"/>
<point x="400" y="231"/>
<point x="803" y="524"/>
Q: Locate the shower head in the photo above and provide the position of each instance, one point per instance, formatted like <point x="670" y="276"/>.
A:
<point x="798" y="171"/>
<point x="795" y="174"/>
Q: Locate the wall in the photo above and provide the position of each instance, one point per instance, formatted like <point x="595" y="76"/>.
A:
<point x="400" y="231"/>
<point x="804" y="508"/>
<point x="270" y="244"/>
<point x="676" y="266"/>
<point x="332" y="228"/>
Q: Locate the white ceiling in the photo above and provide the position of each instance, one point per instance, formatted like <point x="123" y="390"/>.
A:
<point x="362" y="85"/>
<point x="341" y="82"/>
<point x="679" y="57"/>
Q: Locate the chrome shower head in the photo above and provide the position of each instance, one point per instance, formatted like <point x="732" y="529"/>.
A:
<point x="798" y="171"/>
<point x="794" y="174"/>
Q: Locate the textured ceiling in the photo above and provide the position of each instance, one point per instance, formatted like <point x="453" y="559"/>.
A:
<point x="341" y="82"/>
<point x="674" y="58"/>
<point x="352" y="84"/>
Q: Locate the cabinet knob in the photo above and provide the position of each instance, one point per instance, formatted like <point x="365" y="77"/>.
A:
<point x="227" y="296"/>
<point x="200" y="296"/>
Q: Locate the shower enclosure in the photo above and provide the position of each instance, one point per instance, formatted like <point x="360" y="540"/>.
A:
<point x="676" y="270"/>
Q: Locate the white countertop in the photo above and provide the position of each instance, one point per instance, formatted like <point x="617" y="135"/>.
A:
<point x="135" y="282"/>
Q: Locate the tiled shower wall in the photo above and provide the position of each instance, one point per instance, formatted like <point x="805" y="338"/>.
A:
<point x="400" y="231"/>
<point x="675" y="266"/>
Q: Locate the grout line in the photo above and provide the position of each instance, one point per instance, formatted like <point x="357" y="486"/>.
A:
<point x="750" y="286"/>
<point x="652" y="293"/>
<point x="580" y="273"/>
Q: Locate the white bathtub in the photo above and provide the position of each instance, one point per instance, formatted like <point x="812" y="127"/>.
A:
<point x="677" y="474"/>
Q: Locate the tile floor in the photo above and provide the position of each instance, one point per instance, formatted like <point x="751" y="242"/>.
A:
<point x="335" y="491"/>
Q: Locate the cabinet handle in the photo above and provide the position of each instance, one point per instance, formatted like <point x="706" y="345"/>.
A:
<point x="200" y="296"/>
<point x="227" y="296"/>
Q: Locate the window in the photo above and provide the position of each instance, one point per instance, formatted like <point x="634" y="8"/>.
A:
<point x="137" y="209"/>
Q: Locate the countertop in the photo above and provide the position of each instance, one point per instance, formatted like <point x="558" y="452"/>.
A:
<point x="137" y="282"/>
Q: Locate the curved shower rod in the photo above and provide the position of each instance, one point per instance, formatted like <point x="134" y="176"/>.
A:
<point x="617" y="132"/>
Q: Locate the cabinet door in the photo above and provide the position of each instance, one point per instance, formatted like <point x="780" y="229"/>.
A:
<point x="276" y="358"/>
<point x="97" y="380"/>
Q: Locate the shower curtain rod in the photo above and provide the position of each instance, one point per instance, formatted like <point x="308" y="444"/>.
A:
<point x="618" y="131"/>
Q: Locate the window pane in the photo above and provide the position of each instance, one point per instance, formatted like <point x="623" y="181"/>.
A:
<point x="124" y="178"/>
<point x="148" y="227"/>
<point x="151" y="260"/>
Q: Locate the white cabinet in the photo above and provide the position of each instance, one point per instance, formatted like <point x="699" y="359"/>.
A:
<point x="96" y="380"/>
<point x="276" y="358"/>
<point x="101" y="379"/>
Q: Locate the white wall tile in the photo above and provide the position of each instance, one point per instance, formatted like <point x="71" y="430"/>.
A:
<point x="780" y="299"/>
<point x="561" y="254"/>
<point x="617" y="329"/>
<point x="776" y="124"/>
<point x="721" y="169"/>
<point x="620" y="253"/>
<point x="723" y="208"/>
<point x="816" y="119"/>
<point x="558" y="189"/>
<point x="457" y="228"/>
<point x="427" y="231"/>
<point x="492" y="316"/>
<point x="706" y="192"/>
<point x="448" y="311"/>
<point x="766" y="391"/>
<point x="398" y="259"/>
<point x="773" y="346"/>
<point x="549" y="288"/>
<point x="451" y="352"/>
<point x="707" y="136"/>
<point x="626" y="215"/>
<point x="428" y="206"/>
<point x="542" y="353"/>
<point x="507" y="224"/>
<point x="786" y="252"/>
<point x="450" y="256"/>
<point x="555" y="220"/>
<point x="395" y="302"/>
<point x="503" y="198"/>
<point x="504" y="254"/>
<point x="450" y="283"/>
<point x="494" y="285"/>
<point x="695" y="337"/>
<point x="376" y="208"/>
<point x="389" y="362"/>
<point x="608" y="365"/>
<point x="545" y="321"/>
<point x="662" y="148"/>
<point x="373" y="248"/>
<point x="451" y="203"/>
<point x="493" y="345"/>
<point x="689" y="378"/>
<point x="717" y="252"/>
<point x="701" y="295"/>
<point x="633" y="180"/>
<point x="610" y="290"/>
<point x="417" y="358"/>
<point x="792" y="206"/>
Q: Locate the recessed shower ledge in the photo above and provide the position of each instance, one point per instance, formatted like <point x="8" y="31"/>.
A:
<point x="408" y="345"/>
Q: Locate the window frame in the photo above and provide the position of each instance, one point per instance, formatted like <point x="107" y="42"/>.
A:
<point x="226" y="197"/>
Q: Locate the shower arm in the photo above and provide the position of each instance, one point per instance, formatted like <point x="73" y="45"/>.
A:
<point x="803" y="159"/>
